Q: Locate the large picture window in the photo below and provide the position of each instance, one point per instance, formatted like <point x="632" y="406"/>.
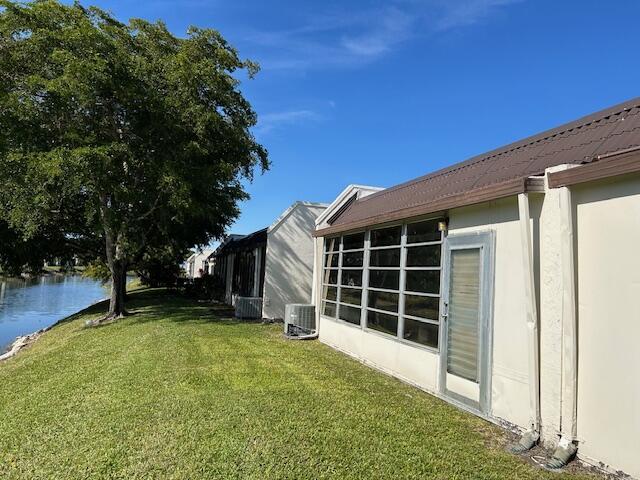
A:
<point x="387" y="280"/>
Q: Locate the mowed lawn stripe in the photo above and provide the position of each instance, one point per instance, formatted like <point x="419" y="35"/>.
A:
<point x="178" y="391"/>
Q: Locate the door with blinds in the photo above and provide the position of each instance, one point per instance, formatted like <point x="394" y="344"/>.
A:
<point x="466" y="316"/>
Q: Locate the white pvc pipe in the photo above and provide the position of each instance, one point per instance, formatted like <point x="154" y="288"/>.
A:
<point x="568" y="420"/>
<point x="531" y="313"/>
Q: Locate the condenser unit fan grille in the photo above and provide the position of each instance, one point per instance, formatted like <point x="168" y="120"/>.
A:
<point x="299" y="320"/>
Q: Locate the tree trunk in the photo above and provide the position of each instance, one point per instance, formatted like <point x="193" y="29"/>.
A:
<point x="116" y="263"/>
<point x="123" y="283"/>
<point x="116" y="302"/>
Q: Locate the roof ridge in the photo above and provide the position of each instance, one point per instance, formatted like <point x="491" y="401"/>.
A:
<point x="513" y="146"/>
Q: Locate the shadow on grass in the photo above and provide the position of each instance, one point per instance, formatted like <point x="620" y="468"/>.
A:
<point x="152" y="305"/>
<point x="100" y="307"/>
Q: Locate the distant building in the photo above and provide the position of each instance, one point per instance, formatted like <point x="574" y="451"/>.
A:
<point x="238" y="264"/>
<point x="290" y="259"/>
<point x="274" y="264"/>
<point x="197" y="264"/>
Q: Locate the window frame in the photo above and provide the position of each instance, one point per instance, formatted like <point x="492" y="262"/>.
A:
<point x="325" y="269"/>
<point x="365" y="310"/>
<point x="402" y="269"/>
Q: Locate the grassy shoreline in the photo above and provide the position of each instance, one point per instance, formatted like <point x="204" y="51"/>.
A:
<point x="179" y="391"/>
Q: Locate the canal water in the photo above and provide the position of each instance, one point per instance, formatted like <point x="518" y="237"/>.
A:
<point x="30" y="305"/>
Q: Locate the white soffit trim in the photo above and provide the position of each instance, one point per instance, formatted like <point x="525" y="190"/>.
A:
<point x="361" y="190"/>
<point x="283" y="216"/>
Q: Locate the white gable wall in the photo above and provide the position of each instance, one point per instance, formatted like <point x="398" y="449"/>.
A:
<point x="289" y="260"/>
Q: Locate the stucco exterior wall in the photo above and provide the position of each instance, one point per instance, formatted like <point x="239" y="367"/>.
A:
<point x="289" y="261"/>
<point x="413" y="365"/>
<point x="607" y="223"/>
<point x="509" y="378"/>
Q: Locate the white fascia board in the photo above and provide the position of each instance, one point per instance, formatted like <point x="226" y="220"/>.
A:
<point x="346" y="194"/>
<point x="283" y="216"/>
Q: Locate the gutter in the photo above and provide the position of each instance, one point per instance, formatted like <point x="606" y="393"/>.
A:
<point x="465" y="198"/>
<point x="603" y="166"/>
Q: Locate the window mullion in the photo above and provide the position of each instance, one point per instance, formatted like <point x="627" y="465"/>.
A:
<point x="403" y="273"/>
<point x="365" y="279"/>
<point x="338" y="291"/>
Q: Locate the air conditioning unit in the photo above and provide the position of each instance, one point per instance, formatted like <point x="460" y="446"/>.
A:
<point x="300" y="321"/>
<point x="248" y="307"/>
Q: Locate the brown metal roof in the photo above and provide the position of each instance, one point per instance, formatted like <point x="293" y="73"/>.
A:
<point x="498" y="173"/>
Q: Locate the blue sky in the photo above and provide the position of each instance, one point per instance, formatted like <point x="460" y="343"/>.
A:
<point x="379" y="92"/>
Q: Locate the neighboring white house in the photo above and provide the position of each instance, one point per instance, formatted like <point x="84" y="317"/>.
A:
<point x="508" y="285"/>
<point x="289" y="258"/>
<point x="198" y="263"/>
<point x="273" y="265"/>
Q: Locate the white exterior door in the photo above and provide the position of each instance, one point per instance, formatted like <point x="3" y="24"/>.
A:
<point x="466" y="316"/>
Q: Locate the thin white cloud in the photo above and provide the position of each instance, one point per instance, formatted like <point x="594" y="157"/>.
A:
<point x="335" y="39"/>
<point x="275" y="120"/>
<point x="344" y="38"/>
<point x="393" y="28"/>
<point x="459" y="14"/>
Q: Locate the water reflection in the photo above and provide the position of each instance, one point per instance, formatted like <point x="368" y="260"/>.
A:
<point x="29" y="305"/>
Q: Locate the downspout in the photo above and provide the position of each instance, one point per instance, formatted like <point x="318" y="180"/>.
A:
<point x="316" y="289"/>
<point x="569" y="405"/>
<point x="530" y="438"/>
<point x="314" y="283"/>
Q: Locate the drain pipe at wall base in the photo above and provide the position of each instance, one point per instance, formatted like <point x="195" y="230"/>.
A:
<point x="531" y="437"/>
<point x="567" y="447"/>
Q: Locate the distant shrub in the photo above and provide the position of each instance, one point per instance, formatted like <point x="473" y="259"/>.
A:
<point x="207" y="287"/>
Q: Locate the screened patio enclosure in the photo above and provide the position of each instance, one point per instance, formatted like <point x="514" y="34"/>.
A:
<point x="494" y="284"/>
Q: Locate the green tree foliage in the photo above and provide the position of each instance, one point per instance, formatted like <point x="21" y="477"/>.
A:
<point x="160" y="267"/>
<point x="121" y="134"/>
<point x="18" y="255"/>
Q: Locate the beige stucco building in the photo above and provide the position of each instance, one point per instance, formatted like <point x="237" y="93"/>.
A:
<point x="508" y="285"/>
<point x="289" y="258"/>
<point x="272" y="266"/>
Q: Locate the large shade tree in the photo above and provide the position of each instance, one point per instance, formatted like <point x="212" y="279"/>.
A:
<point x="122" y="134"/>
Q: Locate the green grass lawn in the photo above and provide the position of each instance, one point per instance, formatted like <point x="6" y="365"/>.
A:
<point x="177" y="391"/>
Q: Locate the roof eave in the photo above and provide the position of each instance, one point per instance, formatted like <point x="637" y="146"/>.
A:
<point x="345" y="194"/>
<point x="612" y="166"/>
<point x="463" y="199"/>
